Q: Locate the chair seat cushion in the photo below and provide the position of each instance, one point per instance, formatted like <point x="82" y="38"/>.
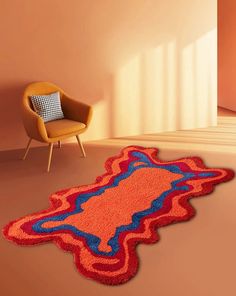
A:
<point x="63" y="127"/>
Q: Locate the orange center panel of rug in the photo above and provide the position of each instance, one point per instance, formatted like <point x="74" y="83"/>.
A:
<point x="104" y="213"/>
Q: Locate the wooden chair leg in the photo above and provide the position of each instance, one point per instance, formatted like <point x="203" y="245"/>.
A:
<point x="27" y="149"/>
<point x="50" y="156"/>
<point x="81" y="146"/>
<point x="59" y="144"/>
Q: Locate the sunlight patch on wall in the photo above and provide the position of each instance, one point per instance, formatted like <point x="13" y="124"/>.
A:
<point x="153" y="85"/>
<point x="127" y="113"/>
<point x="167" y="88"/>
<point x="172" y="107"/>
<point x="145" y="93"/>
<point x="187" y="88"/>
<point x="199" y="83"/>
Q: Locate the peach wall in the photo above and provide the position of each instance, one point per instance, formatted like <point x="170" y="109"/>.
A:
<point x="227" y="53"/>
<point x="145" y="66"/>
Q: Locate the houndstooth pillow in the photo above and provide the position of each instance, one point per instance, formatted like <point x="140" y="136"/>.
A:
<point x="48" y="106"/>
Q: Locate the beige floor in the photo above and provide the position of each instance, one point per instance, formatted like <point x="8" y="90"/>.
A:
<point x="220" y="138"/>
<point x="196" y="258"/>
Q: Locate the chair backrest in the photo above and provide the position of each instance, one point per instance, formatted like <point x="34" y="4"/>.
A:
<point x="39" y="88"/>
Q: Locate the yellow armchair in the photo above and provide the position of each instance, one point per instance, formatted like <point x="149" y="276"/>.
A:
<point x="77" y="118"/>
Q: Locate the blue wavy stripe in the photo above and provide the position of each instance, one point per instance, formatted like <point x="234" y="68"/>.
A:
<point x="94" y="241"/>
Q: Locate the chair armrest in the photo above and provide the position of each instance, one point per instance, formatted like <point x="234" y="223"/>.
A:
<point x="34" y="124"/>
<point x="76" y="110"/>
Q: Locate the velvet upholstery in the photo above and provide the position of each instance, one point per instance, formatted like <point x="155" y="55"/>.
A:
<point x="62" y="127"/>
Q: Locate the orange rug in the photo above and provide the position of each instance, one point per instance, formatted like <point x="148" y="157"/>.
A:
<point x="102" y="223"/>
